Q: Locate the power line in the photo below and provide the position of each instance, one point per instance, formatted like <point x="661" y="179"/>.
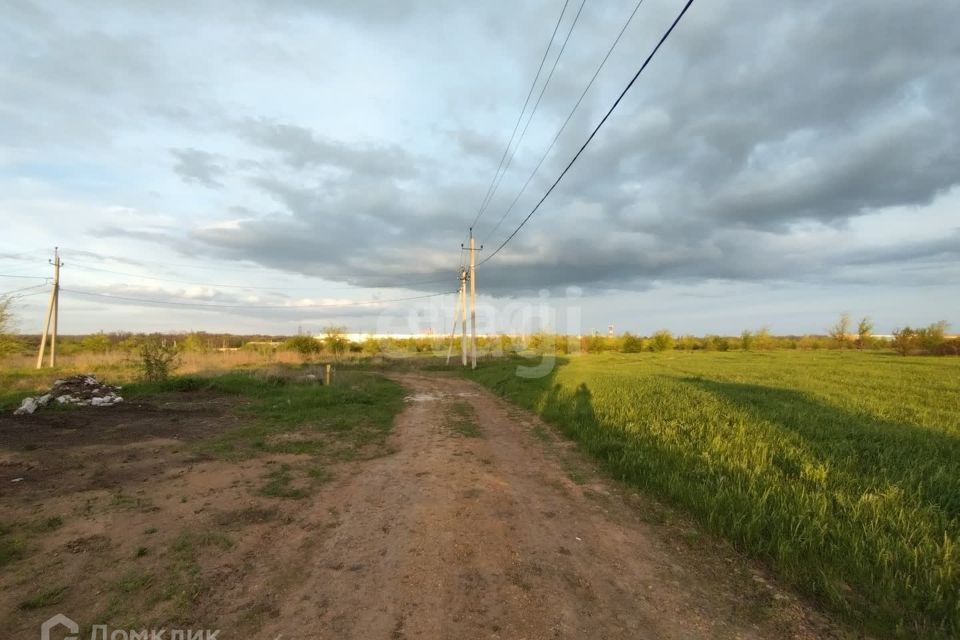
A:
<point x="138" y="262"/>
<point x="533" y="111"/>
<point x="218" y="268"/>
<point x="32" y="256"/>
<point x="201" y="305"/>
<point x="172" y="280"/>
<point x="516" y="126"/>
<point x="594" y="132"/>
<point x="243" y="286"/>
<point x="563" y="126"/>
<point x="36" y="286"/>
<point x="7" y="275"/>
<point x="27" y="295"/>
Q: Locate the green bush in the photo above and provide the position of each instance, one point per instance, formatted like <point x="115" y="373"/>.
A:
<point x="631" y="343"/>
<point x="306" y="346"/>
<point x="662" y="340"/>
<point x="157" y="359"/>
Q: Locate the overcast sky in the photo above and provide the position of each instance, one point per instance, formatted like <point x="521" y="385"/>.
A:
<point x="778" y="163"/>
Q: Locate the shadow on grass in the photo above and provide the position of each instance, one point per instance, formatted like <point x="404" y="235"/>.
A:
<point x="873" y="454"/>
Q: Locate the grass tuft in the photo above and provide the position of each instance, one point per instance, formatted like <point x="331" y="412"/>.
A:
<point x="45" y="599"/>
<point x="279" y="485"/>
<point x="12" y="547"/>
<point x="462" y="420"/>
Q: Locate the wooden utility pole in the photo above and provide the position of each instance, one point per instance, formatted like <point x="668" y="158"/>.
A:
<point x="53" y="312"/>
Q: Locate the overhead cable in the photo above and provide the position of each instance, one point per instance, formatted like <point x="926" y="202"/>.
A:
<point x="593" y="133"/>
<point x="516" y="126"/>
<point x="565" y="122"/>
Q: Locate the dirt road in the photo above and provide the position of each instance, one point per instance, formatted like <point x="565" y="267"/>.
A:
<point x="475" y="520"/>
<point x="500" y="529"/>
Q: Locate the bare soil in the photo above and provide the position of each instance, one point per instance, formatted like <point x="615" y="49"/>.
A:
<point x="478" y="522"/>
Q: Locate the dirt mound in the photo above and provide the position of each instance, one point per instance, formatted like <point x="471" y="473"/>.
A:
<point x="83" y="390"/>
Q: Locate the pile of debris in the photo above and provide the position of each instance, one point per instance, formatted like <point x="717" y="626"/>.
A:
<point x="83" y="390"/>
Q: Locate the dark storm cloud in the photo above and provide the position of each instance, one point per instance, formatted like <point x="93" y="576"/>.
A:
<point x="945" y="249"/>
<point x="739" y="131"/>
<point x="811" y="114"/>
<point x="755" y="120"/>
<point x="301" y="148"/>
<point x="333" y="230"/>
<point x="194" y="165"/>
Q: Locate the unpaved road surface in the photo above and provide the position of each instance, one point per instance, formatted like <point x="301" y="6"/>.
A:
<point x="475" y="521"/>
<point x="508" y="533"/>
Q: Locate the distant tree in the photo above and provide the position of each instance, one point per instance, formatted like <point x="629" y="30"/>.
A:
<point x="763" y="340"/>
<point x="840" y="332"/>
<point x="631" y="343"/>
<point x="130" y="343"/>
<point x="258" y="346"/>
<point x="864" y="331"/>
<point x="716" y="343"/>
<point x="306" y="346"/>
<point x="904" y="340"/>
<point x="542" y="342"/>
<point x="746" y="340"/>
<point x="9" y="343"/>
<point x="662" y="340"/>
<point x="596" y="344"/>
<point x="372" y="346"/>
<point x="194" y="342"/>
<point x="932" y="337"/>
<point x="538" y="341"/>
<point x="336" y="340"/>
<point x="95" y="343"/>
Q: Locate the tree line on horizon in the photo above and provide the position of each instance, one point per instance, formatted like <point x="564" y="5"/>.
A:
<point x="929" y="340"/>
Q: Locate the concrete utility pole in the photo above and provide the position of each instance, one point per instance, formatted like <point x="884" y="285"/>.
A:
<point x="463" y="317"/>
<point x="473" y="302"/>
<point x="473" y="299"/>
<point x="456" y="313"/>
<point x="53" y="311"/>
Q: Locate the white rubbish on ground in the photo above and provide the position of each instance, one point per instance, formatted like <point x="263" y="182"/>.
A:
<point x="81" y="390"/>
<point x="424" y="397"/>
<point x="28" y="406"/>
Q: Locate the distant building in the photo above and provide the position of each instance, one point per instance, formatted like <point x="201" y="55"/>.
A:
<point x="361" y="337"/>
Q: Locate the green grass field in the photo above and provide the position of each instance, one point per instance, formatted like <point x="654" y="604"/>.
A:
<point x="840" y="469"/>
